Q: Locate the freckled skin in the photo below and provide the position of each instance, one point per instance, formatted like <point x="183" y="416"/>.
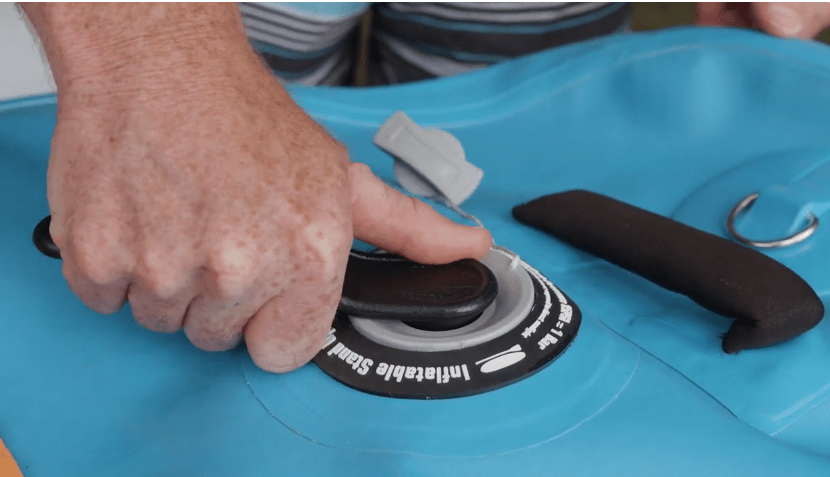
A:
<point x="183" y="179"/>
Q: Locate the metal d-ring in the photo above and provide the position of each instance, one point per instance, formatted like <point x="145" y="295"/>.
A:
<point x="793" y="239"/>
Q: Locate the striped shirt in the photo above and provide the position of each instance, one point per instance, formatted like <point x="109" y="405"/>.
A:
<point x="319" y="43"/>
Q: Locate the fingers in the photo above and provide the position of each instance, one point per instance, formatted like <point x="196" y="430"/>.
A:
<point x="291" y="328"/>
<point x="215" y="324"/>
<point x="157" y="308"/>
<point x="94" y="270"/>
<point x="159" y="313"/>
<point x="158" y="301"/>
<point x="792" y="20"/>
<point x="404" y="225"/>
<point x="210" y="299"/>
<point x="104" y="297"/>
<point x="100" y="270"/>
<point x="230" y="293"/>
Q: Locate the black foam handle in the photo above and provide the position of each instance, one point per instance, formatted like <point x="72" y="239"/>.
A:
<point x="769" y="302"/>
<point x="385" y="286"/>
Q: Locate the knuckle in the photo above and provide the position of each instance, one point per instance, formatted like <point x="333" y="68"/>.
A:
<point x="234" y="269"/>
<point x="414" y="207"/>
<point x="163" y="283"/>
<point x="359" y="170"/>
<point x="94" y="297"/>
<point x="329" y="247"/>
<point x="94" y="252"/>
<point x="96" y="269"/>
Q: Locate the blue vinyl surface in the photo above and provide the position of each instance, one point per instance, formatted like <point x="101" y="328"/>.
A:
<point x="684" y="123"/>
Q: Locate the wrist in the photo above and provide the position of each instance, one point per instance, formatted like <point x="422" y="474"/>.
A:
<point x="122" y="48"/>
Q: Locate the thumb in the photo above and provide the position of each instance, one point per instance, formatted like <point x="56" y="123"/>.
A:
<point x="404" y="225"/>
<point x="792" y="20"/>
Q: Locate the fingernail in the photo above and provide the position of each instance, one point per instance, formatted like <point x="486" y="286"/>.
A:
<point x="785" y="19"/>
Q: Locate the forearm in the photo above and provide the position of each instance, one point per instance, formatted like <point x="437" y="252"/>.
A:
<point x="133" y="45"/>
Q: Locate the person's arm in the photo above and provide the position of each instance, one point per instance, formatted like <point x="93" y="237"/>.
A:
<point x="184" y="179"/>
<point x="788" y="20"/>
<point x="133" y="43"/>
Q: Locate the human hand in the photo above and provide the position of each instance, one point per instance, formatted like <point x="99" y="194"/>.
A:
<point x="199" y="192"/>
<point x="784" y="19"/>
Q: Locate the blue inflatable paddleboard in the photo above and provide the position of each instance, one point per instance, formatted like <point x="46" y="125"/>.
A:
<point x="683" y="123"/>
